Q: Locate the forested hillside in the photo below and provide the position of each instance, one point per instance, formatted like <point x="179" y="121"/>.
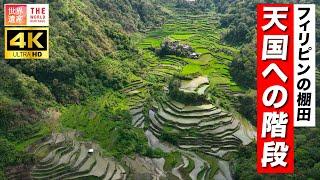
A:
<point x="235" y="17"/>
<point x="139" y="89"/>
<point x="90" y="52"/>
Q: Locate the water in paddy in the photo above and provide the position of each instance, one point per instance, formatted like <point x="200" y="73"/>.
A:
<point x="202" y="33"/>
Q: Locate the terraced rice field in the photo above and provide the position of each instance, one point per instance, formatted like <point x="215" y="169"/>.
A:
<point x="202" y="127"/>
<point x="200" y="32"/>
<point x="206" y="133"/>
<point x="135" y="92"/>
<point x="66" y="158"/>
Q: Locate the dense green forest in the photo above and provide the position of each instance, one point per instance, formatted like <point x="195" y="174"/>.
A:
<point x="243" y="71"/>
<point x="111" y="67"/>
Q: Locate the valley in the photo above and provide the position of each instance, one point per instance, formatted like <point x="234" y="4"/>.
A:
<point x="197" y="134"/>
<point x="139" y="89"/>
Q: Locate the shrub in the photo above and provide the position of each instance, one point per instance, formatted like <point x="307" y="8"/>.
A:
<point x="9" y="156"/>
<point x="168" y="134"/>
<point x="243" y="67"/>
<point x="247" y="106"/>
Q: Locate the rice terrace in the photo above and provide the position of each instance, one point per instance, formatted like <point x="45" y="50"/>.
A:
<point x="197" y="135"/>
<point x="149" y="90"/>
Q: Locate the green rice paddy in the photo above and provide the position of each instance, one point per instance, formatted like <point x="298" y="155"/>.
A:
<point x="200" y="32"/>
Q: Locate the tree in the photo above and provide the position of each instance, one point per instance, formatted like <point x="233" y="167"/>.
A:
<point x="243" y="67"/>
<point x="247" y="106"/>
<point x="238" y="34"/>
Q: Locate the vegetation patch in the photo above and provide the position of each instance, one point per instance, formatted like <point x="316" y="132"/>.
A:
<point x="212" y="163"/>
<point x="172" y="160"/>
<point x="108" y="122"/>
<point x="191" y="69"/>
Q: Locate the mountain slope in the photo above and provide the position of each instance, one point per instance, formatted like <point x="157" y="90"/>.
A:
<point x="90" y="51"/>
<point x="83" y="32"/>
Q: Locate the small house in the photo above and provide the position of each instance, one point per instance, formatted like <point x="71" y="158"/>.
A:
<point x="194" y="55"/>
<point x="90" y="151"/>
